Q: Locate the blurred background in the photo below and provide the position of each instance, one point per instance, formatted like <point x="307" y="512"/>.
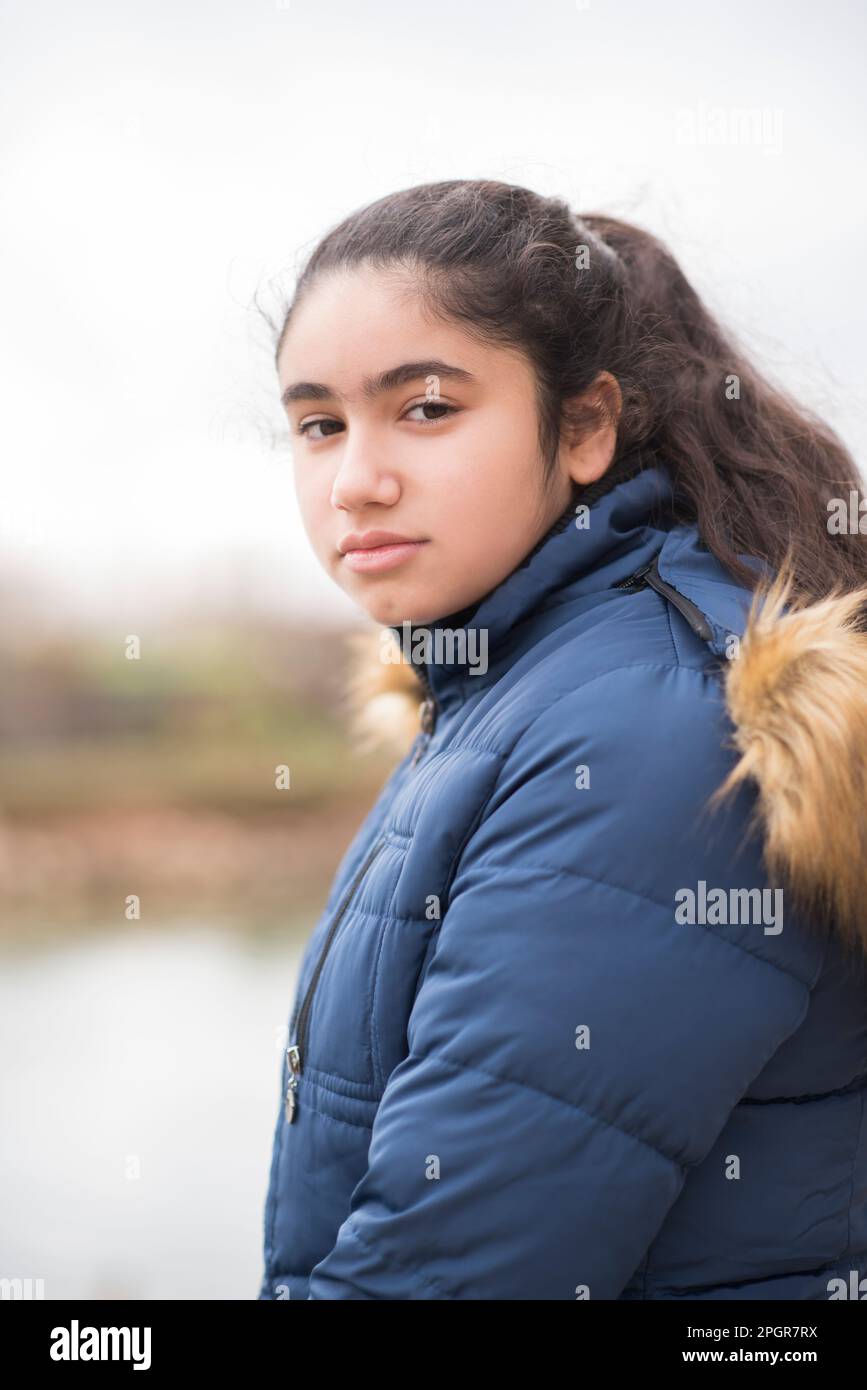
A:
<point x="166" y="636"/>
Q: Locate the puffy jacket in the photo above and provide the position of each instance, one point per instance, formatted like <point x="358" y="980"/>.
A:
<point x="566" y="1028"/>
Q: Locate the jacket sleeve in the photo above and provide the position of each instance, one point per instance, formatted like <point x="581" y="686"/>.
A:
<point x="574" y="1047"/>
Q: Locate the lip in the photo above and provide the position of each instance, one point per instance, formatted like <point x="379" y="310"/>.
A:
<point x="369" y="552"/>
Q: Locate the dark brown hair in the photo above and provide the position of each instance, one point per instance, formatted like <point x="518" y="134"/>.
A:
<point x="751" y="467"/>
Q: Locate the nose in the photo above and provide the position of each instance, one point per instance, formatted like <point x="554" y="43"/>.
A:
<point x="360" y="479"/>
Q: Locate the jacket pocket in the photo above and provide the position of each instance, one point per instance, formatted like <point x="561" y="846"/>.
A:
<point x="405" y="944"/>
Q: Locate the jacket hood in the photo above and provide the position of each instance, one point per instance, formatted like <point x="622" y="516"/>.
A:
<point x="794" y="675"/>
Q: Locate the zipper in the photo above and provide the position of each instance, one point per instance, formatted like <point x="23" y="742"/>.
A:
<point x="632" y="580"/>
<point x="428" y="711"/>
<point x="295" y="1050"/>
<point x="649" y="574"/>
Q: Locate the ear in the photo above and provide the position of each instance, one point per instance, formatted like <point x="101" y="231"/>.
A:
<point x="590" y="435"/>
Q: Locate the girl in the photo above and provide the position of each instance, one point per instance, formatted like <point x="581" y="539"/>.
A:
<point x="585" y="1015"/>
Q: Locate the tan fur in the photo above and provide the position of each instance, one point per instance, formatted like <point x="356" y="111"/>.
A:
<point x="383" y="697"/>
<point x="797" y="696"/>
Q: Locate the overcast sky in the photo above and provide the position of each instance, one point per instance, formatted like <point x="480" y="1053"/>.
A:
<point x="162" y="162"/>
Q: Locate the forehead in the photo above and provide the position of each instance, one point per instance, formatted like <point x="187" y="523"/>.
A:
<point x="353" y="324"/>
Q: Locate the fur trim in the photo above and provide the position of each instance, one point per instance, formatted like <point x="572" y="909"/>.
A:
<point x="384" y="698"/>
<point x="796" y="693"/>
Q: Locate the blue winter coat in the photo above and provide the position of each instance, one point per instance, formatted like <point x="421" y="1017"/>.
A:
<point x="555" y="1036"/>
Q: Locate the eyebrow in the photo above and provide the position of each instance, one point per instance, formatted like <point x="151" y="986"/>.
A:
<point x="375" y="385"/>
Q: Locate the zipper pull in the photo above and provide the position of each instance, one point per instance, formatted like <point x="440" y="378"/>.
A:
<point x="427" y="720"/>
<point x="293" y="1055"/>
<point x="650" y="575"/>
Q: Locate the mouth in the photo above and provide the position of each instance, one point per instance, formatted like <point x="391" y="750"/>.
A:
<point x="374" y="552"/>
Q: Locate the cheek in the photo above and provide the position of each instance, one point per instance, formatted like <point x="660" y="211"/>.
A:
<point x="497" y="450"/>
<point x="494" y="482"/>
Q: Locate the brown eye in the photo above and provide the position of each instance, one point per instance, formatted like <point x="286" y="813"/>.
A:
<point x="432" y="405"/>
<point x="310" y="424"/>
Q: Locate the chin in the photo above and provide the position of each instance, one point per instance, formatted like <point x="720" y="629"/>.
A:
<point x="393" y="609"/>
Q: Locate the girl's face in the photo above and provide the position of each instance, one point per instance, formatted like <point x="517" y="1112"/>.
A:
<point x="417" y="466"/>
